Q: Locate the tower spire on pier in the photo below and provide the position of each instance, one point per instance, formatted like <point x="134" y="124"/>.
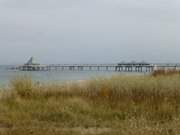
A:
<point x="32" y="61"/>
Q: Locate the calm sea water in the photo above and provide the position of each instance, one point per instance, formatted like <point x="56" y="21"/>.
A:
<point x="53" y="76"/>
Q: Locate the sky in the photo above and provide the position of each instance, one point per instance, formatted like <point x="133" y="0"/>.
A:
<point x="89" y="31"/>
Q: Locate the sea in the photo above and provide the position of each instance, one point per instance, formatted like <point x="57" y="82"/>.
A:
<point x="54" y="76"/>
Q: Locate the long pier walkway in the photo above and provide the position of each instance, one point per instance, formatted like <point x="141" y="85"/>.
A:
<point x="127" y="67"/>
<point x="31" y="65"/>
<point x="103" y="67"/>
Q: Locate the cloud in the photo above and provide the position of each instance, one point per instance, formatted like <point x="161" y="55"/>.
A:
<point x="89" y="30"/>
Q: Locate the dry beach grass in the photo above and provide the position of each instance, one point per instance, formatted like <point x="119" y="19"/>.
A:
<point x="121" y="105"/>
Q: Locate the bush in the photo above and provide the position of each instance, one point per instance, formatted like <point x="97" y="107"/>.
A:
<point x="163" y="72"/>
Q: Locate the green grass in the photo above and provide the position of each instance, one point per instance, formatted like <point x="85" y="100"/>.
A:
<point x="121" y="105"/>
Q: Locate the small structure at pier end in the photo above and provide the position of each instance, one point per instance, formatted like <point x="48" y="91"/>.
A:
<point x="32" y="65"/>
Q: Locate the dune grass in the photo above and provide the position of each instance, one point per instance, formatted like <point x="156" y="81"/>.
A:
<point x="121" y="105"/>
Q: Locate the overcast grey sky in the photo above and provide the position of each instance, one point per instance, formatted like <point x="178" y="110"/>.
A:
<point x="89" y="31"/>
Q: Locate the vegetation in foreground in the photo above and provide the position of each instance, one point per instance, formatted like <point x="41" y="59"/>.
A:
<point x="163" y="72"/>
<point x="121" y="105"/>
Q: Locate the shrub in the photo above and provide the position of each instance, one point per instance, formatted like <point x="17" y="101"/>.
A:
<point x="163" y="72"/>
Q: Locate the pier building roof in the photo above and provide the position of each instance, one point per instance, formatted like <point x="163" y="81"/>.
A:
<point x="32" y="61"/>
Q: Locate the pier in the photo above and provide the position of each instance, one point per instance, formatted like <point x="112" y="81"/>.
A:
<point x="88" y="67"/>
<point x="125" y="67"/>
<point x="31" y="65"/>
